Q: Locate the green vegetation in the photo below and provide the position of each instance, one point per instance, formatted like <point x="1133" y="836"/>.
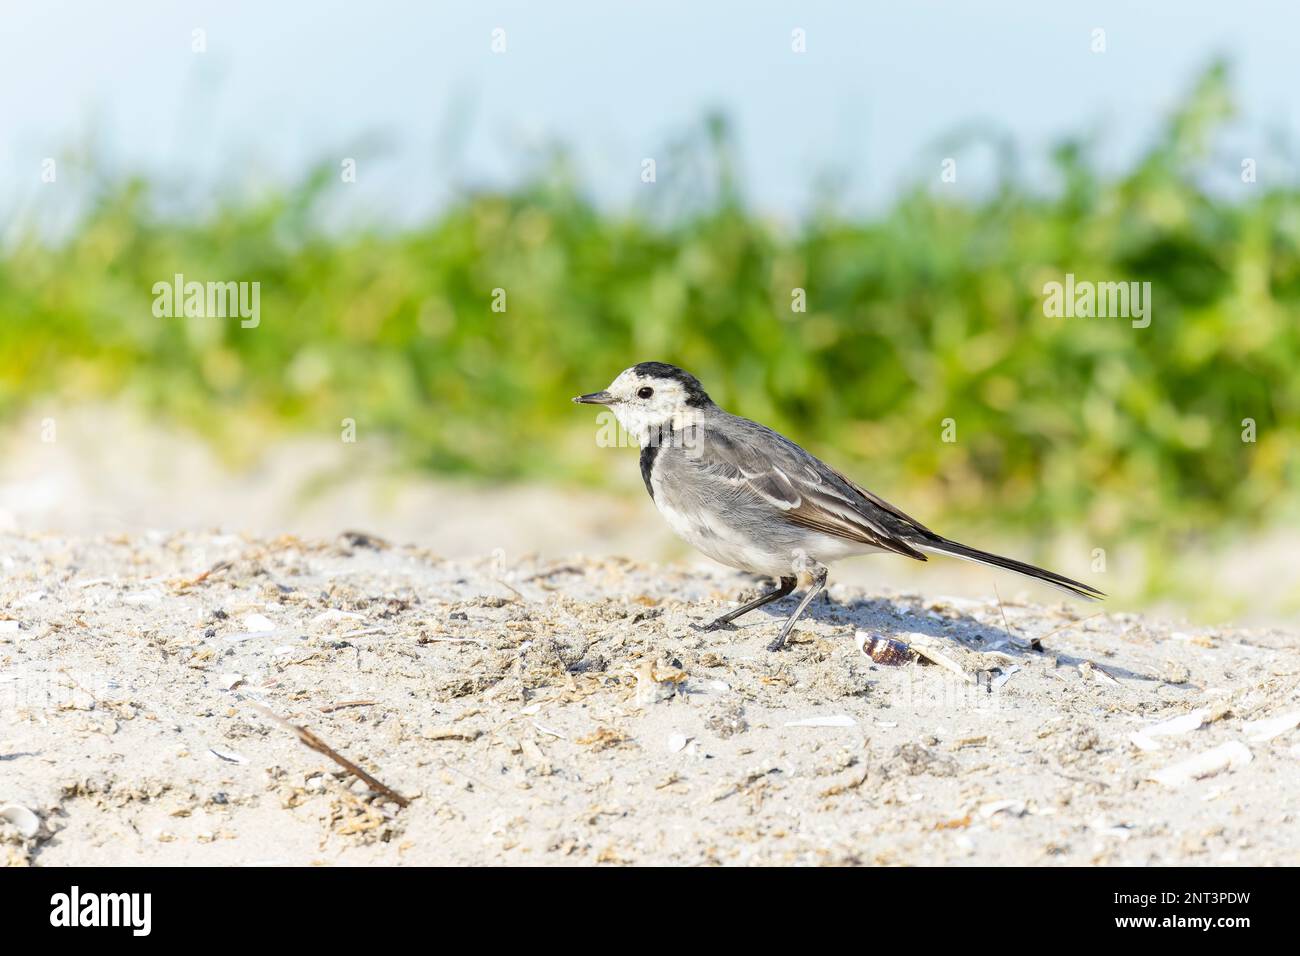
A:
<point x="931" y="310"/>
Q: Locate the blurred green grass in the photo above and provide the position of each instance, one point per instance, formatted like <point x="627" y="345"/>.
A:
<point x="930" y="310"/>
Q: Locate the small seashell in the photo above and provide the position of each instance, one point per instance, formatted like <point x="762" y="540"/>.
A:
<point x="921" y="646"/>
<point x="27" y="822"/>
<point x="1261" y="730"/>
<point x="1000" y="681"/>
<point x="543" y="729"/>
<point x="1145" y="739"/>
<point x="1227" y="756"/>
<point x="1096" y="672"/>
<point x="1142" y="742"/>
<point x="258" y="624"/>
<point x="677" y="743"/>
<point x="885" y="650"/>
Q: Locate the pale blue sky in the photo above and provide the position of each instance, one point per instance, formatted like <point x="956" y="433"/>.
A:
<point x="282" y="84"/>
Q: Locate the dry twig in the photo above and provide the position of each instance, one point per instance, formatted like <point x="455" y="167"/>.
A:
<point x="320" y="746"/>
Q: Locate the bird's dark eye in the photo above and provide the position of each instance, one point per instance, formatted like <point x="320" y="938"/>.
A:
<point x="645" y="392"/>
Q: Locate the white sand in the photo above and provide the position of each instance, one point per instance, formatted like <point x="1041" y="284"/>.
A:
<point x="564" y="712"/>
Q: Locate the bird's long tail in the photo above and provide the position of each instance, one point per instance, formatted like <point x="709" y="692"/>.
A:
<point x="943" y="546"/>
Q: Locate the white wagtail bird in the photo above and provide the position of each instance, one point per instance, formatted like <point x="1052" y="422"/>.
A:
<point x="754" y="500"/>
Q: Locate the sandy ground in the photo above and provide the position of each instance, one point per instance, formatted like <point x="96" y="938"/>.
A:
<point x="564" y="712"/>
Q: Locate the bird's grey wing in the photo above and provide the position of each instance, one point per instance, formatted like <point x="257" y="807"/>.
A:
<point x="748" y="459"/>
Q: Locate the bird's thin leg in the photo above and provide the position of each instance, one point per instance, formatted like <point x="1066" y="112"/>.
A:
<point x="818" y="585"/>
<point x="784" y="587"/>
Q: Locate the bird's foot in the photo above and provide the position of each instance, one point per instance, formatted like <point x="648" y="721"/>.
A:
<point x="720" y="624"/>
<point x="778" y="642"/>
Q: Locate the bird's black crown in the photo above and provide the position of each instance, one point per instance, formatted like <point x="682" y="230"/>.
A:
<point x="695" y="393"/>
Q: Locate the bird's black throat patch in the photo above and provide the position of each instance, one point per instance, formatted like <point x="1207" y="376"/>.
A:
<point x="648" y="455"/>
<point x="659" y="436"/>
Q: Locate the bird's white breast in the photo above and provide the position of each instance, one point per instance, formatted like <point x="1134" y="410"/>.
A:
<point x="710" y="532"/>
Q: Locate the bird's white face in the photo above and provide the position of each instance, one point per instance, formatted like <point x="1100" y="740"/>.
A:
<point x="643" y="404"/>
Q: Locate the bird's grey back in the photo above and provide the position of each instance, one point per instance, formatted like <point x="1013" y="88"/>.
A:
<point x="761" y="478"/>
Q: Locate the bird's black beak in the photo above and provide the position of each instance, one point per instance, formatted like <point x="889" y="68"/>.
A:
<point x="595" y="398"/>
